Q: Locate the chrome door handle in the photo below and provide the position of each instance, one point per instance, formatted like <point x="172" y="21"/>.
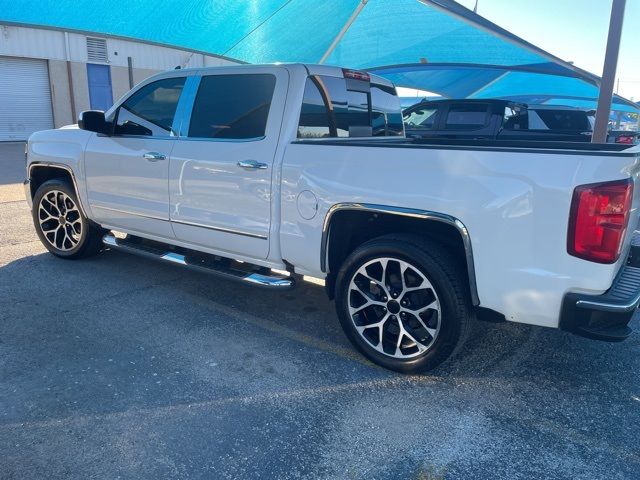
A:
<point x="154" y="156"/>
<point x="252" y="165"/>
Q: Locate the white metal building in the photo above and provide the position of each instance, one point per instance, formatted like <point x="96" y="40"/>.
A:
<point x="47" y="77"/>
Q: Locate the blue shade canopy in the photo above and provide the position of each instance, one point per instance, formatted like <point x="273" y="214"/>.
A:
<point x="547" y="83"/>
<point x="382" y="31"/>
<point x="351" y="33"/>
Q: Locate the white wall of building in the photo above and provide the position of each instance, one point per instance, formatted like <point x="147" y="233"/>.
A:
<point x="66" y="56"/>
<point x="51" y="45"/>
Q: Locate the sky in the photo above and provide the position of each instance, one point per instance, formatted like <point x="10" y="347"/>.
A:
<point x="573" y="30"/>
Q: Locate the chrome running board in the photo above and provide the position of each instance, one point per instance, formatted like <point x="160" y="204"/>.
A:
<point x="200" y="262"/>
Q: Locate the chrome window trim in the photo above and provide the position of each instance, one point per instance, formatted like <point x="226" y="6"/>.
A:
<point x="62" y="167"/>
<point x="406" y="212"/>
<point x="145" y="137"/>
<point x="182" y="117"/>
<point x="222" y="140"/>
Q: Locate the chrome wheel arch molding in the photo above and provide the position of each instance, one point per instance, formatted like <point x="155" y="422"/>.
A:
<point x="425" y="215"/>
<point x="69" y="170"/>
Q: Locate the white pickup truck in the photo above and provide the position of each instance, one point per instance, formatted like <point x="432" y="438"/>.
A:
<point x="263" y="173"/>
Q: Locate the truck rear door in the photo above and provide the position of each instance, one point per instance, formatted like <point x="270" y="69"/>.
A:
<point x="221" y="166"/>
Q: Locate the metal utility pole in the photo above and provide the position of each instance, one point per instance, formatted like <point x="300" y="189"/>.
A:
<point x="609" y="72"/>
<point x="343" y="30"/>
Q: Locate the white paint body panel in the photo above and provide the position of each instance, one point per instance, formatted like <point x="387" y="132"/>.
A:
<point x="125" y="189"/>
<point x="230" y="205"/>
<point x="514" y="204"/>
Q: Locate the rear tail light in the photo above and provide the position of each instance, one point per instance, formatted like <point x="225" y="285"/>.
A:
<point x="627" y="139"/>
<point x="598" y="220"/>
<point x="355" y="75"/>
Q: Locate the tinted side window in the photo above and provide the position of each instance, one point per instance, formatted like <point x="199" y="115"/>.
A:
<point x="466" y="116"/>
<point x="515" y="119"/>
<point x="565" y="119"/>
<point x="424" y="117"/>
<point x="386" y="111"/>
<point x="339" y="107"/>
<point x="349" y="108"/>
<point x="150" y="110"/>
<point x="314" y="117"/>
<point x="232" y="106"/>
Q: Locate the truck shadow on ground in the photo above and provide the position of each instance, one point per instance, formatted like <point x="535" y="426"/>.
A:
<point x="119" y="343"/>
<point x="304" y="316"/>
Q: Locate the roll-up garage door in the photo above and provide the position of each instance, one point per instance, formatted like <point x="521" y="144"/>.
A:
<point x="25" y="98"/>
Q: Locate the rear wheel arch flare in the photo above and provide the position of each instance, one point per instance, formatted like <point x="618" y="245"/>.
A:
<point x="358" y="223"/>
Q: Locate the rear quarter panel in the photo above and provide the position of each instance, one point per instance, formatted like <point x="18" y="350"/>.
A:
<point x="514" y="204"/>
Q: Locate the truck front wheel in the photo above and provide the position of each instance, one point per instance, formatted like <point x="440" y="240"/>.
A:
<point x="60" y="224"/>
<point x="402" y="302"/>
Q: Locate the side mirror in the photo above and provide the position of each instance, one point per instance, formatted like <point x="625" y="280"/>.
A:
<point x="93" y="121"/>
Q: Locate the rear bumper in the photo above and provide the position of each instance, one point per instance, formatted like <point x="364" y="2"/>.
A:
<point x="27" y="191"/>
<point x="606" y="317"/>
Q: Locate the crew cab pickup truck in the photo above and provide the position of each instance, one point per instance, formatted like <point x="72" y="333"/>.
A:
<point x="264" y="173"/>
<point x="497" y="119"/>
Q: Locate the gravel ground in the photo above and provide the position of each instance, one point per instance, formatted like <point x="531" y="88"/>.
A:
<point x="119" y="367"/>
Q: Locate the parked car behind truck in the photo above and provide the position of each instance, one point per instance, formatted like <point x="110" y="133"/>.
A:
<point x="237" y="171"/>
<point x="496" y="119"/>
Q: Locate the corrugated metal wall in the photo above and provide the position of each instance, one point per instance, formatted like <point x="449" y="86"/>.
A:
<point x="25" y="98"/>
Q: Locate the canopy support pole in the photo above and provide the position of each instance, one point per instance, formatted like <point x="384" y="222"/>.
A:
<point x="343" y="30"/>
<point x="609" y="72"/>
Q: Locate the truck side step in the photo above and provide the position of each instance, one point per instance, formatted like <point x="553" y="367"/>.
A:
<point x="201" y="262"/>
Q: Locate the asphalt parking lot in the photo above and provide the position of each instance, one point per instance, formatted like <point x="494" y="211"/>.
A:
<point x="118" y="367"/>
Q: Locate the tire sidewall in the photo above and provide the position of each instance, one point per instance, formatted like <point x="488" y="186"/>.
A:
<point x="62" y="186"/>
<point x="449" y="321"/>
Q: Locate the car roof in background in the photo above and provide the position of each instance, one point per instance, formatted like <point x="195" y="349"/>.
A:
<point x="533" y="106"/>
<point x="494" y="101"/>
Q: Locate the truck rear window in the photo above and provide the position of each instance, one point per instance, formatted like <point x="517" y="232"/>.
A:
<point x="467" y="116"/>
<point x="547" y="119"/>
<point x="561" y="120"/>
<point x="339" y="107"/>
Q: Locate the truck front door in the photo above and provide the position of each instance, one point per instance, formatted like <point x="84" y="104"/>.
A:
<point x="128" y="172"/>
<point x="222" y="164"/>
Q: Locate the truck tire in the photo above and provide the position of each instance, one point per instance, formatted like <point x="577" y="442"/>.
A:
<point x="60" y="224"/>
<point x="403" y="302"/>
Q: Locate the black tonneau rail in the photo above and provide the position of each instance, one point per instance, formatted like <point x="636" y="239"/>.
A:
<point x="525" y="146"/>
<point x="556" y="145"/>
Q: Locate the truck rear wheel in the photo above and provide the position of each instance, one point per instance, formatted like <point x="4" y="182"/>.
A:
<point x="60" y="224"/>
<point x="402" y="302"/>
